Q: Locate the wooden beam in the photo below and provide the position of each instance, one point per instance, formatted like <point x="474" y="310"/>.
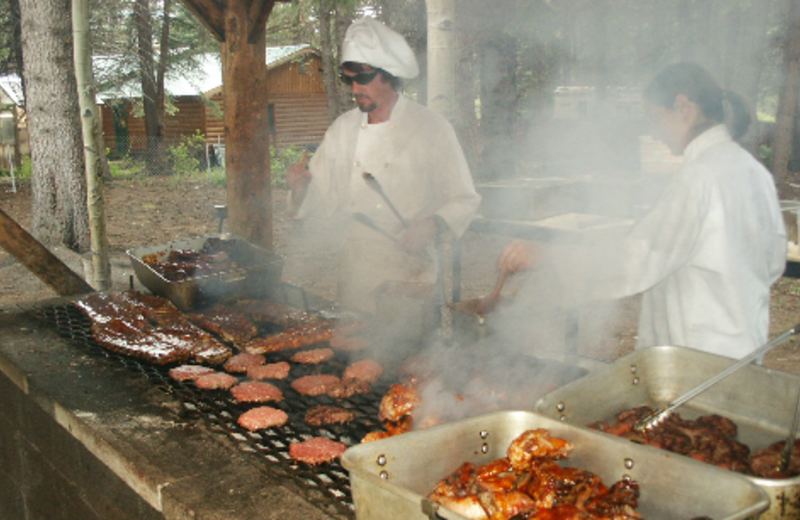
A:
<point x="44" y="264"/>
<point x="259" y="13"/>
<point x="211" y="13"/>
<point x="247" y="172"/>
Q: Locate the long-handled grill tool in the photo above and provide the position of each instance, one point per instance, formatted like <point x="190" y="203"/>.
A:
<point x="373" y="183"/>
<point x="786" y="454"/>
<point x="365" y="220"/>
<point x="657" y="416"/>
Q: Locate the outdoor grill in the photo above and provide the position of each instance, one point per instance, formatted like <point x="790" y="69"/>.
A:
<point x="326" y="485"/>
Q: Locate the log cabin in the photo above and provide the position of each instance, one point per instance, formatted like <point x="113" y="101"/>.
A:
<point x="297" y="104"/>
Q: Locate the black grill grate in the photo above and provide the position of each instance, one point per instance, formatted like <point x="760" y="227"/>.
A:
<point x="327" y="486"/>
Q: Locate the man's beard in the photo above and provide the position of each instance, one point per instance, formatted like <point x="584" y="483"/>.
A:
<point x="368" y="107"/>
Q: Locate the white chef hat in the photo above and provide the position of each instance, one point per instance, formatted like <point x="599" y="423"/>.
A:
<point x="369" y="41"/>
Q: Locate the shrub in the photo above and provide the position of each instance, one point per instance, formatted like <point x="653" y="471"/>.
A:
<point x="185" y="156"/>
<point x="280" y="162"/>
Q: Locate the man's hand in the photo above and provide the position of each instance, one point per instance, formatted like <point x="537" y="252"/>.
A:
<point x="298" y="178"/>
<point x="517" y="256"/>
<point x="418" y="235"/>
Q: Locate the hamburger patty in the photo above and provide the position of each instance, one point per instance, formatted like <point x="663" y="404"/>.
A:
<point x="316" y="450"/>
<point x="262" y="417"/>
<point x="256" y="392"/>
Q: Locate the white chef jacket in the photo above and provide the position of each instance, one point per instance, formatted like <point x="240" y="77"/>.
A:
<point x="418" y="162"/>
<point x="704" y="256"/>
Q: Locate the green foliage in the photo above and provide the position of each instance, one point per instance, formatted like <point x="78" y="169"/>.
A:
<point x="26" y="170"/>
<point x="280" y="162"/>
<point x="765" y="152"/>
<point x="185" y="156"/>
<point x="126" y="167"/>
<point x="216" y="177"/>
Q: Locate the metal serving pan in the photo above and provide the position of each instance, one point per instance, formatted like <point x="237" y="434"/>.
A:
<point x="391" y="478"/>
<point x="258" y="273"/>
<point x="760" y="400"/>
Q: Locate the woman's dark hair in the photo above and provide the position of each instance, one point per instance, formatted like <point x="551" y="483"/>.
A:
<point x="693" y="81"/>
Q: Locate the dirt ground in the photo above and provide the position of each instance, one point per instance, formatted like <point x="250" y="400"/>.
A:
<point x="151" y="211"/>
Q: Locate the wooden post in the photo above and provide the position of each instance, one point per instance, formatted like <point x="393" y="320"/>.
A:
<point x="44" y="264"/>
<point x="244" y="76"/>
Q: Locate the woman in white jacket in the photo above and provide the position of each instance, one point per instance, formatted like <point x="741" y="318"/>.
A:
<point x="705" y="255"/>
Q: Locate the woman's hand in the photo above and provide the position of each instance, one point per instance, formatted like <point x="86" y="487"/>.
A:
<point x="517" y="256"/>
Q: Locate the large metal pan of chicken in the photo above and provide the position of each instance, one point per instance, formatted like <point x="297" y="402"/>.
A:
<point x="739" y="424"/>
<point x="515" y="464"/>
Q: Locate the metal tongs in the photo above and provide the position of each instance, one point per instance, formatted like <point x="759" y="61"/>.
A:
<point x="373" y="183"/>
<point x="786" y="454"/>
<point x="655" y="418"/>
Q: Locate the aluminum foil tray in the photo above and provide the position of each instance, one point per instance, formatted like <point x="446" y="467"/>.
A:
<point x="257" y="274"/>
<point x="391" y="478"/>
<point x="759" y="400"/>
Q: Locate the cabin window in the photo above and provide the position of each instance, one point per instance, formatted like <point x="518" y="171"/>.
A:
<point x="271" y="117"/>
<point x="6" y="128"/>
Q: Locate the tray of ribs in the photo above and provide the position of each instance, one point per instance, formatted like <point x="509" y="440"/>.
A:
<point x="518" y="464"/>
<point x="198" y="271"/>
<point x="740" y="424"/>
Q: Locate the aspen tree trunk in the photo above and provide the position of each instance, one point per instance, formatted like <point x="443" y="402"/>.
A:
<point x="93" y="150"/>
<point x="787" y="102"/>
<point x="441" y="56"/>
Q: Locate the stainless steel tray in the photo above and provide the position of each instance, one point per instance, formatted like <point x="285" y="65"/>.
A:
<point x="760" y="400"/>
<point x="257" y="275"/>
<point x="391" y="478"/>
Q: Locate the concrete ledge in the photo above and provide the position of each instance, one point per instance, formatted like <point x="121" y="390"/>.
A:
<point x="83" y="437"/>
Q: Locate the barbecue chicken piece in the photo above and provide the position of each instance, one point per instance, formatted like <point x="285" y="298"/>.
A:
<point x="398" y="402"/>
<point x="150" y="328"/>
<point x="536" y="444"/>
<point x="528" y="483"/>
<point x="766" y="463"/>
<point x="709" y="438"/>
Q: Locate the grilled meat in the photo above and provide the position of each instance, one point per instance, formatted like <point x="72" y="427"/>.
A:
<point x="256" y="392"/>
<point x="240" y="363"/>
<point x="316" y="450"/>
<point x="150" y="328"/>
<point x="398" y="402"/>
<point x="262" y="417"/>
<point x="322" y="415"/>
<point x="346" y="388"/>
<point x="279" y="370"/>
<point x="263" y="311"/>
<point x="231" y="326"/>
<point x="312" y="357"/>
<point x="189" y="372"/>
<point x="289" y="339"/>
<point x="709" y="438"/>
<point x="315" y="384"/>
<point x="216" y="381"/>
<point x="528" y="483"/>
<point x="365" y="370"/>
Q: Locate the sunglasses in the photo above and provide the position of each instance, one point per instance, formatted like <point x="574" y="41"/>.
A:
<point x="362" y="78"/>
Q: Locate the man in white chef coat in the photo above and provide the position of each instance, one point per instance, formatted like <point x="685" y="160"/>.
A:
<point x="414" y="156"/>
